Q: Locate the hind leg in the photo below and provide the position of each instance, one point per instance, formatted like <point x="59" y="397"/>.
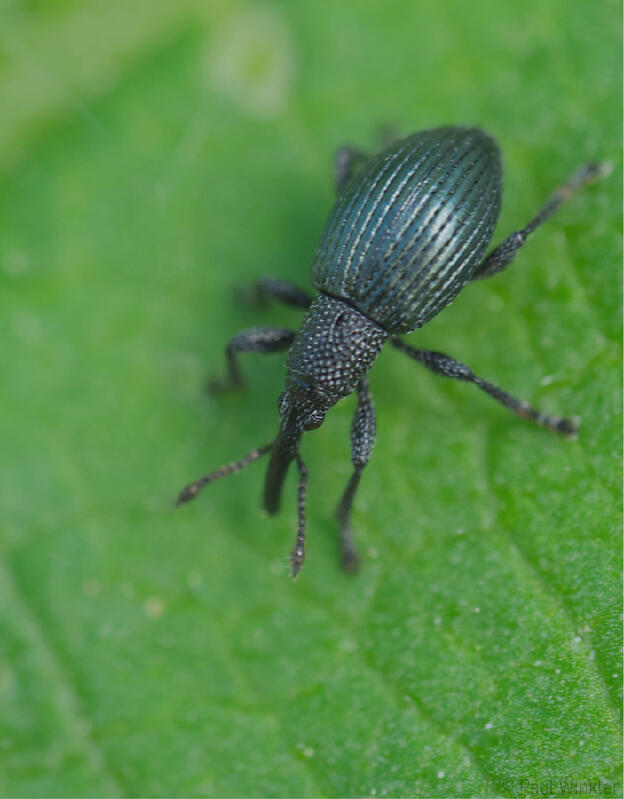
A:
<point x="503" y="255"/>
<point x="271" y="288"/>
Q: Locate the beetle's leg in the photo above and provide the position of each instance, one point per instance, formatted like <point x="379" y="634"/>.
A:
<point x="272" y="288"/>
<point x="362" y="440"/>
<point x="255" y="339"/>
<point x="297" y="555"/>
<point x="347" y="161"/>
<point x="503" y="255"/>
<point x="448" y="367"/>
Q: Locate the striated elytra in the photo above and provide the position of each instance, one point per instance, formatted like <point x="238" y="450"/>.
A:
<point x="409" y="230"/>
<point x="408" y="233"/>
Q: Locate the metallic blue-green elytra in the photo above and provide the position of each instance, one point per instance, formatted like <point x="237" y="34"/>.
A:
<point x="411" y="228"/>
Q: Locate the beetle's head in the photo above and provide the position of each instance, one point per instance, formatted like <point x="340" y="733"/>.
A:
<point x="302" y="406"/>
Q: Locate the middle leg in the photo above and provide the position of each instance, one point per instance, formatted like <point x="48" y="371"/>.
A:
<point x="255" y="339"/>
<point x="448" y="367"/>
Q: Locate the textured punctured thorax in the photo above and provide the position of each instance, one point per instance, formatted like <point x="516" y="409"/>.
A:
<point x="334" y="348"/>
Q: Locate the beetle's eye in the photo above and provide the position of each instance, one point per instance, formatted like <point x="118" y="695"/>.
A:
<point x="314" y="420"/>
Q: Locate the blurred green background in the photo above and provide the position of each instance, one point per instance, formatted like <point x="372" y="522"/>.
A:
<point x="154" y="155"/>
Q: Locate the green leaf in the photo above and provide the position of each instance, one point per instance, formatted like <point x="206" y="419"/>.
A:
<point x="155" y="155"/>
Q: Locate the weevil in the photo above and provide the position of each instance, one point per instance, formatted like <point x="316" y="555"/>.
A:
<point x="409" y="229"/>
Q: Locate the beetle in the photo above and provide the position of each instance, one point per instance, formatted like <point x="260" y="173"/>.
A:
<point x="410" y="228"/>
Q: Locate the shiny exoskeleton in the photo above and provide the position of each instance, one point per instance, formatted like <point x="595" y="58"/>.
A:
<point x="409" y="230"/>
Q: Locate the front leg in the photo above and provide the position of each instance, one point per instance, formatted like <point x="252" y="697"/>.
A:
<point x="448" y="367"/>
<point x="255" y="339"/>
<point x="363" y="430"/>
